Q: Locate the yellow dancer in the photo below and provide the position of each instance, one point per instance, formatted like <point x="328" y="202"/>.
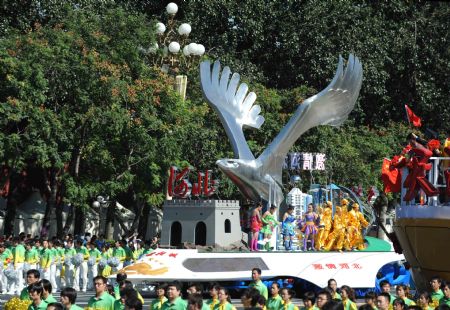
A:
<point x="336" y="238"/>
<point x="357" y="221"/>
<point x="326" y="221"/>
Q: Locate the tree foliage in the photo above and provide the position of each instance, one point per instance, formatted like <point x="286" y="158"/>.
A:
<point x="85" y="114"/>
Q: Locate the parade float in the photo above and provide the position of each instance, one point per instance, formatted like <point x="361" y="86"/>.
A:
<point x="422" y="220"/>
<point x="216" y="225"/>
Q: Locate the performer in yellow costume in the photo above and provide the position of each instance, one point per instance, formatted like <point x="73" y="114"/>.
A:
<point x="325" y="225"/>
<point x="345" y="220"/>
<point x="355" y="223"/>
<point x="336" y="238"/>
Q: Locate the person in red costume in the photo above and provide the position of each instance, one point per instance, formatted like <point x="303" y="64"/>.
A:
<point x="418" y="165"/>
<point x="446" y="164"/>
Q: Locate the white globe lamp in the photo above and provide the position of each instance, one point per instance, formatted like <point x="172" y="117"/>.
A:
<point x="172" y="8"/>
<point x="160" y="28"/>
<point x="200" y="49"/>
<point x="186" y="50"/>
<point x="184" y="29"/>
<point x="174" y="47"/>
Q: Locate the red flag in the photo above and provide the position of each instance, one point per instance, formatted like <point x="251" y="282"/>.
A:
<point x="412" y="118"/>
<point x="391" y="177"/>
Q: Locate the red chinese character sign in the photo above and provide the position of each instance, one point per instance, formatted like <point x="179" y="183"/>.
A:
<point x="180" y="186"/>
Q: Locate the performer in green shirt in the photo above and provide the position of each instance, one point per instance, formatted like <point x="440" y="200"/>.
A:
<point x="332" y="284"/>
<point x="18" y="258"/>
<point x="47" y="292"/>
<point x="258" y="284"/>
<point x="33" y="276"/>
<point x="69" y="253"/>
<point x="160" y="297"/>
<point x="275" y="301"/>
<point x="82" y="269"/>
<point x="224" y="300"/>
<point x="46" y="260"/>
<point x="309" y="300"/>
<point x="436" y="293"/>
<point x="174" y="301"/>
<point x="286" y="295"/>
<point x="68" y="299"/>
<point x="31" y="255"/>
<point x="446" y="298"/>
<point x="36" y="291"/>
<point x="214" y="293"/>
<point x="193" y="289"/>
<point x="94" y="257"/>
<point x="120" y="253"/>
<point x="102" y="299"/>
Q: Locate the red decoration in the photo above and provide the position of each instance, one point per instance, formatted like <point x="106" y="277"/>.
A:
<point x="413" y="118"/>
<point x="416" y="178"/>
<point x="391" y="177"/>
<point x="179" y="185"/>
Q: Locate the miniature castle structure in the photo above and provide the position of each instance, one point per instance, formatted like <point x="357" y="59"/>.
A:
<point x="201" y="222"/>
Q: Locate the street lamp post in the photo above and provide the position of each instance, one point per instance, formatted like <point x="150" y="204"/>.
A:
<point x="173" y="53"/>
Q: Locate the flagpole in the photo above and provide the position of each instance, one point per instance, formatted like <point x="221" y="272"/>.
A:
<point x="407" y="115"/>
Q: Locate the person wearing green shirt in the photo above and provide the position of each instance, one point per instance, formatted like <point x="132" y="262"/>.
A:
<point x="102" y="299"/>
<point x="82" y="269"/>
<point x="68" y="299"/>
<point x="224" y="300"/>
<point x="59" y="263"/>
<point x="128" y="255"/>
<point x="69" y="252"/>
<point x="332" y="284"/>
<point x="33" y="276"/>
<point x="174" y="301"/>
<point x="275" y="301"/>
<point x="3" y="261"/>
<point x="386" y="288"/>
<point x="46" y="259"/>
<point x="309" y="300"/>
<point x="160" y="297"/>
<point x="348" y="297"/>
<point x="403" y="293"/>
<point x="36" y="291"/>
<point x="147" y="249"/>
<point x="47" y="292"/>
<point x="436" y="292"/>
<point x="214" y="294"/>
<point x="193" y="289"/>
<point x="286" y="295"/>
<point x="446" y="298"/>
<point x="19" y="259"/>
<point x="384" y="301"/>
<point x="54" y="260"/>
<point x="371" y="299"/>
<point x="106" y="270"/>
<point x="31" y="255"/>
<point x="94" y="257"/>
<point x="258" y="284"/>
<point x="126" y="293"/>
<point x="120" y="253"/>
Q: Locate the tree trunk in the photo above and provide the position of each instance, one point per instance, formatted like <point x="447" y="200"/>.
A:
<point x="69" y="220"/>
<point x="143" y="221"/>
<point x="51" y="203"/>
<point x="80" y="222"/>
<point x="109" y="220"/>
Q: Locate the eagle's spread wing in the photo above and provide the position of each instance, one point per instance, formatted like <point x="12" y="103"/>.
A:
<point x="234" y="106"/>
<point x="329" y="107"/>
